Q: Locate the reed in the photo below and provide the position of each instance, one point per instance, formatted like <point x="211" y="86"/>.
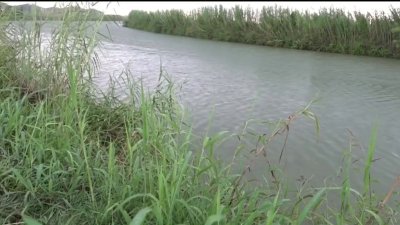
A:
<point x="329" y="30"/>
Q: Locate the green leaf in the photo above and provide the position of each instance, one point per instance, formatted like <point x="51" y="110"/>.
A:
<point x="310" y="206"/>
<point x="140" y="216"/>
<point x="376" y="216"/>
<point x="30" y="221"/>
<point x="214" y="218"/>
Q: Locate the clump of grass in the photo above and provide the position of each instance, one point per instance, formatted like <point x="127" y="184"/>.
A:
<point x="67" y="158"/>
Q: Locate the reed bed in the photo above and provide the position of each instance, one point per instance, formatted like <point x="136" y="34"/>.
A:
<point x="329" y="30"/>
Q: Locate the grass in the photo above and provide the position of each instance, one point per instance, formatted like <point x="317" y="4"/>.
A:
<point x="67" y="158"/>
<point x="329" y="30"/>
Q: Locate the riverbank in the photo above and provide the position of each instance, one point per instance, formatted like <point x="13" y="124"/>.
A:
<point x="67" y="158"/>
<point x="329" y="30"/>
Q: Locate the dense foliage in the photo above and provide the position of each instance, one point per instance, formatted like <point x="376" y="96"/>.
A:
<point x="329" y="30"/>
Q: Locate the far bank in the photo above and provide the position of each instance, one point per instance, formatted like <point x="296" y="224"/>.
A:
<point x="329" y="30"/>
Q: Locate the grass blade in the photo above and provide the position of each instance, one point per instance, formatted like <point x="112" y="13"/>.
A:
<point x="140" y="216"/>
<point x="311" y="206"/>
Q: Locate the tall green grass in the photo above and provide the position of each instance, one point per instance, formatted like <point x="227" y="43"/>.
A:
<point x="67" y="158"/>
<point x="329" y="30"/>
